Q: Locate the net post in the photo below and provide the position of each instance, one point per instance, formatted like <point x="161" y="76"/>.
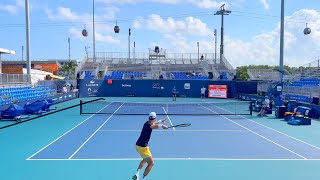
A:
<point x="251" y="107"/>
<point x="80" y="107"/>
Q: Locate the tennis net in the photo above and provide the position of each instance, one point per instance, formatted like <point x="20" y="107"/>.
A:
<point x="137" y="108"/>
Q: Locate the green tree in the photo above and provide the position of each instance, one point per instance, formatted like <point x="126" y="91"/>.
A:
<point x="68" y="67"/>
<point x="243" y="75"/>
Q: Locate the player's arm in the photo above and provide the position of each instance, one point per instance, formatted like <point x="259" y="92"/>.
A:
<point x="160" y="121"/>
<point x="158" y="124"/>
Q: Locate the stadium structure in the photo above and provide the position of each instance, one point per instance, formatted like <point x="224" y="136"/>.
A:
<point x="154" y="64"/>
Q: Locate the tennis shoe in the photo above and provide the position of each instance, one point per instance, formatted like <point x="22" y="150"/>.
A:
<point x="136" y="177"/>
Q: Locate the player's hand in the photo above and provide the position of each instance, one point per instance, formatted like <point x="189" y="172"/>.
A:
<point x="164" y="127"/>
<point x="163" y="120"/>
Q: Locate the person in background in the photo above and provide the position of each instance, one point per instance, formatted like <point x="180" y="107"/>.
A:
<point x="174" y="94"/>
<point x="203" y="92"/>
<point x="265" y="104"/>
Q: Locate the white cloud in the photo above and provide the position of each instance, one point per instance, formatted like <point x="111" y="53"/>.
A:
<point x="189" y="26"/>
<point x="266" y="3"/>
<point x="102" y="31"/>
<point x="13" y="8"/>
<point x="299" y="49"/>
<point x="9" y="8"/>
<point x="63" y="13"/>
<point x="263" y="49"/>
<point x="109" y="12"/>
<point x="20" y="3"/>
<point x="205" y="4"/>
<point x="208" y="4"/>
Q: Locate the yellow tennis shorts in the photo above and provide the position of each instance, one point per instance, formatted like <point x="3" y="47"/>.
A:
<point x="144" y="151"/>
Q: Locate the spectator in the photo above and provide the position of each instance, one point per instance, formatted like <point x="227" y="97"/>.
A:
<point x="201" y="57"/>
<point x="265" y="104"/>
<point x="172" y="76"/>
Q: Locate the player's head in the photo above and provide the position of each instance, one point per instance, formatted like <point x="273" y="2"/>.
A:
<point x="152" y="116"/>
<point x="266" y="97"/>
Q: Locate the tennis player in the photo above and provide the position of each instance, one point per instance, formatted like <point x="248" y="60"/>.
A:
<point x="174" y="94"/>
<point x="203" y="92"/>
<point x="142" y="144"/>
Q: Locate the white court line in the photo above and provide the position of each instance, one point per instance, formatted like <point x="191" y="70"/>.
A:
<point x="131" y="130"/>
<point x="95" y="132"/>
<point x="176" y="159"/>
<point x="259" y="134"/>
<point x="277" y="131"/>
<point x="66" y="133"/>
<point x="168" y="118"/>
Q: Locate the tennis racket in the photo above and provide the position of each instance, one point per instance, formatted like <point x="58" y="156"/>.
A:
<point x="180" y="125"/>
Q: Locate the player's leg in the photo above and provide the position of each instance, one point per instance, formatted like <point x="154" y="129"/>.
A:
<point x="141" y="164"/>
<point x="149" y="167"/>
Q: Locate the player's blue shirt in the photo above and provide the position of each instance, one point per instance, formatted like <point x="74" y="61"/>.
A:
<point x="145" y="135"/>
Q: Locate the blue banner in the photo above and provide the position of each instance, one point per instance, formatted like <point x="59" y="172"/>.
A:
<point x="155" y="88"/>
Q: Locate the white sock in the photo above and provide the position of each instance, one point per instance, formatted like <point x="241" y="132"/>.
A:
<point x="138" y="171"/>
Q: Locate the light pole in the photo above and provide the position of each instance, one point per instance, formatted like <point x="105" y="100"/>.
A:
<point x="69" y="48"/>
<point x="22" y="47"/>
<point x="129" y="43"/>
<point x="86" y="49"/>
<point x="222" y="12"/>
<point x="28" y="41"/>
<point x="134" y="50"/>
<point x="93" y="34"/>
<point x="281" y="40"/>
<point x="198" y="51"/>
<point x="215" y="46"/>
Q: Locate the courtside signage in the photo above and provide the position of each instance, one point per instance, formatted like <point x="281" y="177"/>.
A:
<point x="218" y="91"/>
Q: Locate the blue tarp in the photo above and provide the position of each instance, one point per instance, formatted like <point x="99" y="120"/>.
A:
<point x="12" y="112"/>
<point x="38" y="106"/>
<point x="35" y="107"/>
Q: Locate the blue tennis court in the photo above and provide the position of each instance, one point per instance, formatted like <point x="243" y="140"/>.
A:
<point x="67" y="145"/>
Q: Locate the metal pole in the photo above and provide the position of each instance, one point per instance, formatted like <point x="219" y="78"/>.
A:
<point x="28" y="41"/>
<point x="69" y="48"/>
<point x="281" y="40"/>
<point x="221" y="43"/>
<point x="215" y="46"/>
<point x="134" y="50"/>
<point x="93" y="34"/>
<point x="22" y="47"/>
<point x="129" y="43"/>
<point x="222" y="12"/>
<point x="198" y="51"/>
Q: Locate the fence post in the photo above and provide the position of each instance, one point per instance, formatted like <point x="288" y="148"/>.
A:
<point x="80" y="107"/>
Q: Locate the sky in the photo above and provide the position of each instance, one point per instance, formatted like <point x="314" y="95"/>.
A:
<point x="251" y="31"/>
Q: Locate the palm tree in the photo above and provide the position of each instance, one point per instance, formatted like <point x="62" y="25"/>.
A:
<point x="69" y="66"/>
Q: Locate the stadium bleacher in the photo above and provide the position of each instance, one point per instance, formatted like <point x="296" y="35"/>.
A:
<point x="306" y="82"/>
<point x="24" y="93"/>
<point x="188" y="75"/>
<point x="124" y="75"/>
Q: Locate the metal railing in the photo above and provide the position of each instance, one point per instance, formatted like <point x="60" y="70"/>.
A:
<point x="311" y="91"/>
<point x="140" y="56"/>
<point x="13" y="79"/>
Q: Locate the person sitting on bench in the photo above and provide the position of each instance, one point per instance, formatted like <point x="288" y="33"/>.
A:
<point x="265" y="105"/>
